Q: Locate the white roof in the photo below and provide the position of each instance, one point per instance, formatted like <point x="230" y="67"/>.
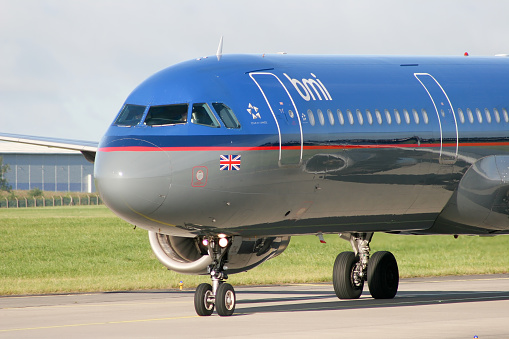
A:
<point x="13" y="147"/>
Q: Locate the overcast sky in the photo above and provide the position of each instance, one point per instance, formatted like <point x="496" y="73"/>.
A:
<point x="67" y="66"/>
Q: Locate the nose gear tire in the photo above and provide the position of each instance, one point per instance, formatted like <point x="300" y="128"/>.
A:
<point x="225" y="300"/>
<point x="202" y="303"/>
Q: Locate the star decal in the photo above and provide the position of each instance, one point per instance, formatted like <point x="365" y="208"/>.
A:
<point x="253" y="111"/>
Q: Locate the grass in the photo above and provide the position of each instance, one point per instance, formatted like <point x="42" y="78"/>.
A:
<point x="80" y="249"/>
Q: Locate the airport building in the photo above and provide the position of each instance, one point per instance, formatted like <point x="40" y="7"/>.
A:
<point x="48" y="169"/>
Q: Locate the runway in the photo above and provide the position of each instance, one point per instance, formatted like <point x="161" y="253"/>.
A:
<point x="448" y="307"/>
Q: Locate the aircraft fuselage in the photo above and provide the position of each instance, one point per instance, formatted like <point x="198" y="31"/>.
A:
<point x="314" y="144"/>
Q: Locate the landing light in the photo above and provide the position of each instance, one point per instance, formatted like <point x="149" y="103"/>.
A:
<point x="205" y="242"/>
<point x="223" y="242"/>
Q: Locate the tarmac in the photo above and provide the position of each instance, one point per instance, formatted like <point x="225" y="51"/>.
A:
<point x="446" y="307"/>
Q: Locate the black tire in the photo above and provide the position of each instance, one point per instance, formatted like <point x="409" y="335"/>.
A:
<point x="383" y="275"/>
<point x="342" y="276"/>
<point x="201" y="304"/>
<point x="225" y="300"/>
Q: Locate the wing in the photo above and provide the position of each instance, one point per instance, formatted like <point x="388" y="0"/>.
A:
<point x="87" y="148"/>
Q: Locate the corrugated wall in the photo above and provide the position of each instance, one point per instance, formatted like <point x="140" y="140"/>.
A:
<point x="49" y="172"/>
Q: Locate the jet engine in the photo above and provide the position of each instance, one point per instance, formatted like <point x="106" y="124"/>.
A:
<point x="191" y="256"/>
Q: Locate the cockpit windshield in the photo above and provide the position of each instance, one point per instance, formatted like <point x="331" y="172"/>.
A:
<point x="202" y="115"/>
<point x="130" y="115"/>
<point x="167" y="115"/>
<point x="226" y="114"/>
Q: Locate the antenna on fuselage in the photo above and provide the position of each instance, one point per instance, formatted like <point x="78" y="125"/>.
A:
<point x="219" y="52"/>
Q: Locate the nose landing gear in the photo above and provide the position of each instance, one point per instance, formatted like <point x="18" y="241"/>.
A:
<point x="220" y="294"/>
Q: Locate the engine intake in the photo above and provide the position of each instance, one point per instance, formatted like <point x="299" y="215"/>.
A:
<point x="189" y="256"/>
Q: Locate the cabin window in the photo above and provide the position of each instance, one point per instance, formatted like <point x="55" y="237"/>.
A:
<point x="350" y="116"/>
<point x="340" y="117"/>
<point x="397" y="116"/>
<point x="130" y="115"/>
<point x="378" y="116"/>
<point x="470" y="115"/>
<point x="311" y="117"/>
<point x="506" y="116"/>
<point x="461" y="115"/>
<point x="167" y="115"/>
<point x="416" y="116"/>
<point x="488" y="115"/>
<point x="331" y="117"/>
<point x="388" y="116"/>
<point x="226" y="114"/>
<point x="370" y="117"/>
<point x="320" y="117"/>
<point x="407" y="116"/>
<point x="359" y="117"/>
<point x="202" y="115"/>
<point x="479" y="115"/>
<point x="497" y="115"/>
<point x="424" y="116"/>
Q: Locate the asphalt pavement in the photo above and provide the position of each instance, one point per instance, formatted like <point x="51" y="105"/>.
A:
<point x="447" y="307"/>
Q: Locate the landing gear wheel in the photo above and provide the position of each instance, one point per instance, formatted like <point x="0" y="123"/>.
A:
<point x="383" y="275"/>
<point x="225" y="300"/>
<point x="345" y="284"/>
<point x="202" y="305"/>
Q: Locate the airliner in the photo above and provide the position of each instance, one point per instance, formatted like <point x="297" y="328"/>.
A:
<point x="223" y="159"/>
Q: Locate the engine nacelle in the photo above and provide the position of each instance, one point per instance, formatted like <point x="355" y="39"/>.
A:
<point x="190" y="256"/>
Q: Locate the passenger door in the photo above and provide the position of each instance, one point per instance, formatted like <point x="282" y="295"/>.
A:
<point x="446" y="117"/>
<point x="286" y="115"/>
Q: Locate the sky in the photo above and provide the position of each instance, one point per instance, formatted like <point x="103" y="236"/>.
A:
<point x="66" y="67"/>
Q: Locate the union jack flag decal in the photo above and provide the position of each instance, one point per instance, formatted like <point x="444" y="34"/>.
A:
<point x="229" y="163"/>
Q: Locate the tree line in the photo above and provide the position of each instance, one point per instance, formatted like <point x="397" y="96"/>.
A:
<point x="4" y="185"/>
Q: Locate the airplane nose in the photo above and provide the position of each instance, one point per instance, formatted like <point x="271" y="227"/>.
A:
<point x="133" y="181"/>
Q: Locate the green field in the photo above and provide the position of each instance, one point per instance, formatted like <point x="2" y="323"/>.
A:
<point x="77" y="249"/>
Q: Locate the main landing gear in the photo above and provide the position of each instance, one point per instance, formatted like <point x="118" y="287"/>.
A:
<point x="351" y="269"/>
<point x="220" y="294"/>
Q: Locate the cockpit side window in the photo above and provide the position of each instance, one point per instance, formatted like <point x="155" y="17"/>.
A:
<point x="202" y="115"/>
<point x="167" y="115"/>
<point x="130" y="115"/>
<point x="226" y="114"/>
